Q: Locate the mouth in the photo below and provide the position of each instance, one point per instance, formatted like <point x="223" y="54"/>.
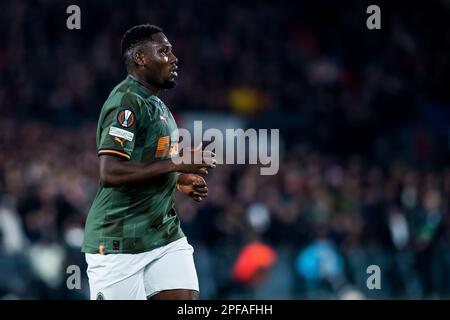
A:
<point x="173" y="71"/>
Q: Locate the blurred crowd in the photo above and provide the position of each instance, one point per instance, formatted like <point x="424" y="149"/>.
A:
<point x="395" y="217"/>
<point x="364" y="115"/>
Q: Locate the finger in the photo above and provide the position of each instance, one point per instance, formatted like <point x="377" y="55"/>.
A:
<point x="201" y="187"/>
<point x="208" y="164"/>
<point x="199" y="180"/>
<point x="209" y="154"/>
<point x="198" y="199"/>
<point x="209" y="160"/>
<point x="201" y="190"/>
<point x="200" y="194"/>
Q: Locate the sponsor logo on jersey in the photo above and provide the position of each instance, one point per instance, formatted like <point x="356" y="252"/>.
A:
<point x="126" y="118"/>
<point x="121" y="133"/>
<point x="119" y="141"/>
<point x="165" y="148"/>
<point x="162" y="147"/>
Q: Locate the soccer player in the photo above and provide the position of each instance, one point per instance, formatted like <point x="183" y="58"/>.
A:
<point x="135" y="248"/>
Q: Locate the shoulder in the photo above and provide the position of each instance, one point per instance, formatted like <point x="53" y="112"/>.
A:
<point x="120" y="101"/>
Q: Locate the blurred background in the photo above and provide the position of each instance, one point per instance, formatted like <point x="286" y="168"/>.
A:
<point x="364" y="119"/>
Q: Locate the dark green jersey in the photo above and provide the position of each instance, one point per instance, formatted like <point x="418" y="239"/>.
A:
<point x="134" y="126"/>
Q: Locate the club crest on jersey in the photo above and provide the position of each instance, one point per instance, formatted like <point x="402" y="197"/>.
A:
<point x="126" y="118"/>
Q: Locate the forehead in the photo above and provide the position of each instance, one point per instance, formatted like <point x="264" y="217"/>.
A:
<point x="159" y="39"/>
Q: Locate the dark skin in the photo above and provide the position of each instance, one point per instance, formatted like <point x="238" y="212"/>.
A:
<point x="177" y="294"/>
<point x="154" y="65"/>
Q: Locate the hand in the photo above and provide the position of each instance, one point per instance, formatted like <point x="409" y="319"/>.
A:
<point x="207" y="157"/>
<point x="193" y="186"/>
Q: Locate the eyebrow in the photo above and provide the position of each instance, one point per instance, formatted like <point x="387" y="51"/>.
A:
<point x="162" y="45"/>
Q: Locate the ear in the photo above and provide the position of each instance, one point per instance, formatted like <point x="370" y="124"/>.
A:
<point x="139" y="57"/>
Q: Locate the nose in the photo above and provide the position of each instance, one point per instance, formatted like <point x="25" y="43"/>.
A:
<point x="173" y="59"/>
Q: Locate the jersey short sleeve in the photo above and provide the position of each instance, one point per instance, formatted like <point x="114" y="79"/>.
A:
<point x="119" y="126"/>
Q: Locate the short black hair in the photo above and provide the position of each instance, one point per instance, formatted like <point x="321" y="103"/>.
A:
<point x="136" y="35"/>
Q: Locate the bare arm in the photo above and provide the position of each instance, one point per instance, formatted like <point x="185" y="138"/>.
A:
<point x="115" y="172"/>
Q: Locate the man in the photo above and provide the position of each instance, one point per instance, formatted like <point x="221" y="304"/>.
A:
<point x="135" y="248"/>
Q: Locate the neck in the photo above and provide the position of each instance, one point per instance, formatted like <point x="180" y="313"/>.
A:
<point x="151" y="89"/>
